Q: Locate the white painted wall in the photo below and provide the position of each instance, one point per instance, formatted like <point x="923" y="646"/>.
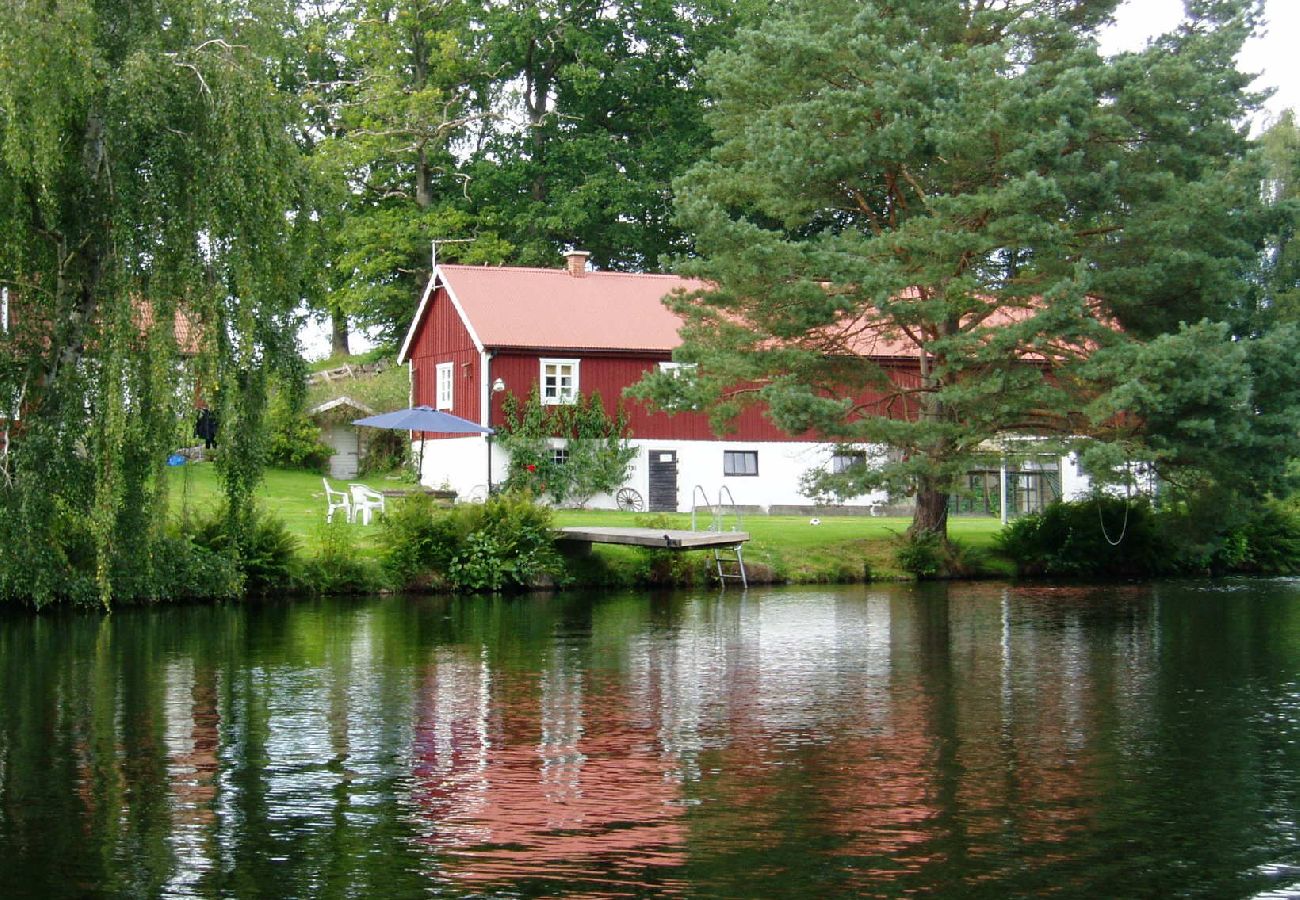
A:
<point x="699" y="463"/>
<point x="462" y="464"/>
<point x="458" y="463"/>
<point x="1074" y="484"/>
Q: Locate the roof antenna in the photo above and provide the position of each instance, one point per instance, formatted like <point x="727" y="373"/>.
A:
<point x="433" y="249"/>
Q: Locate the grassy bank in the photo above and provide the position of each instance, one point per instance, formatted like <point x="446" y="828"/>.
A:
<point x="781" y="548"/>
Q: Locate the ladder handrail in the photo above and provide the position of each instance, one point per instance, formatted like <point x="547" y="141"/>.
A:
<point x="699" y="491"/>
<point x="720" y="511"/>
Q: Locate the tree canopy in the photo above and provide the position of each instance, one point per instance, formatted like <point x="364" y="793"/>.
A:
<point x="146" y="173"/>
<point x="975" y="188"/>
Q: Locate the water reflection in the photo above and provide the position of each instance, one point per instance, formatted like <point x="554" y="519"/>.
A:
<point x="981" y="739"/>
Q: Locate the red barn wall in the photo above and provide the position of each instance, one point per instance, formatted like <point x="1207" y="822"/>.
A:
<point x="441" y="337"/>
<point x="610" y="375"/>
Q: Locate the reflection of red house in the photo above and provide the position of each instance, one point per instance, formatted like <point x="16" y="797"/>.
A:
<point x="555" y="779"/>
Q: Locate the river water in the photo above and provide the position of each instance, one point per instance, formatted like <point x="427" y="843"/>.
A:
<point x="978" y="740"/>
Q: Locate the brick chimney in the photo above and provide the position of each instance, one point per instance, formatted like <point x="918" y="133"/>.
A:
<point x="577" y="260"/>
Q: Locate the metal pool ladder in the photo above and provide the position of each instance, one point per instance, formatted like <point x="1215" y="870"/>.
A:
<point x="728" y="562"/>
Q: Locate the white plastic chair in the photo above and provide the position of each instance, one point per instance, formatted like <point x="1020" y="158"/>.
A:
<point x="336" y="500"/>
<point x="364" y="502"/>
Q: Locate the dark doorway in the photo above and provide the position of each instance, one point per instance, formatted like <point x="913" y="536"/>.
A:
<point x="663" y="480"/>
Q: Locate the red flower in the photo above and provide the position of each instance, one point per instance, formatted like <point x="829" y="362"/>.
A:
<point x="532" y="468"/>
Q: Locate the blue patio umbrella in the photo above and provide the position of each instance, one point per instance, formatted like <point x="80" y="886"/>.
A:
<point x="422" y="419"/>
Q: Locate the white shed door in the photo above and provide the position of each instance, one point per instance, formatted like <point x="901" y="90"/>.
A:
<point x="343" y="464"/>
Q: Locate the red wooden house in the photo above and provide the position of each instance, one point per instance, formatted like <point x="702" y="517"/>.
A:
<point x="482" y="332"/>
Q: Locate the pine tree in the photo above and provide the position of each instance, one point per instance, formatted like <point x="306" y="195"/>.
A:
<point x="973" y="187"/>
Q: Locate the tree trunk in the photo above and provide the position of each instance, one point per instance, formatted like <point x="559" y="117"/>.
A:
<point x="339" y="335"/>
<point x="931" y="509"/>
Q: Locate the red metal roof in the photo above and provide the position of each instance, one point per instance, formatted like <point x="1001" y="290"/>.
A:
<point x="551" y="309"/>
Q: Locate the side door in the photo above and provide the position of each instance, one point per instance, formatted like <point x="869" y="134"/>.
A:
<point x="663" y="481"/>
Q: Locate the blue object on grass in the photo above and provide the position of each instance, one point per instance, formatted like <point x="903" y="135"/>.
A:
<point x="175" y="460"/>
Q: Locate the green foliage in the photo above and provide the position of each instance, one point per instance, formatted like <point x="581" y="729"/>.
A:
<point x="161" y="566"/>
<point x="265" y="554"/>
<point x="991" y="191"/>
<point x="185" y="570"/>
<point x="923" y="554"/>
<point x="503" y="544"/>
<point x="1103" y="536"/>
<point x="295" y="440"/>
<point x="1201" y="403"/>
<point x="338" y="567"/>
<point x="145" y="177"/>
<point x="597" y="458"/>
<point x="1214" y="532"/>
<point x="615" y="111"/>
<point x="1272" y="540"/>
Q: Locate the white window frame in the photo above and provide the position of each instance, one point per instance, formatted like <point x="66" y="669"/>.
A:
<point x="445" y="380"/>
<point x="560" y="393"/>
<point x="678" y="370"/>
<point x="846" y="460"/>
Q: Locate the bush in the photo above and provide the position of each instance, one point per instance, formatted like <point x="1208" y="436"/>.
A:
<point x="337" y="568"/>
<point x="185" y="570"/>
<point x="294" y="441"/>
<point x="387" y="451"/>
<point x="266" y="555"/>
<point x="1099" y="537"/>
<point x="595" y="458"/>
<point x="922" y="555"/>
<point x="60" y="566"/>
<point x="1271" y="539"/>
<point x="504" y="543"/>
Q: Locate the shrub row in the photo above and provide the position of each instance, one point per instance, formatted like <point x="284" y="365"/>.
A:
<point x="502" y="544"/>
<point x="1109" y="537"/>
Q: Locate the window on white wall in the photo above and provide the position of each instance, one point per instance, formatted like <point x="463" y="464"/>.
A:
<point x="740" y="462"/>
<point x="559" y="381"/>
<point x="445" y="371"/>
<point x="845" y="460"/>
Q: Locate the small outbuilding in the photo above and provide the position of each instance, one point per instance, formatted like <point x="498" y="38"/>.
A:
<point x="334" y="418"/>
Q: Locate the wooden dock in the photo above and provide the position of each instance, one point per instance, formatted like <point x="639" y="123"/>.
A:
<point x="666" y="539"/>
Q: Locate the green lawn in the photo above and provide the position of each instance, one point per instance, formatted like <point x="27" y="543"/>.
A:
<point x="835" y="549"/>
<point x="296" y="497"/>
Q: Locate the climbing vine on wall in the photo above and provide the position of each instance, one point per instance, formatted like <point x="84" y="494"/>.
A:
<point x="569" y="453"/>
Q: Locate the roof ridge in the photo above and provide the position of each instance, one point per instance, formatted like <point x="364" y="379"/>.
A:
<point x="548" y="271"/>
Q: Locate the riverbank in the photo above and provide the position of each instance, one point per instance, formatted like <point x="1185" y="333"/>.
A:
<point x="782" y="549"/>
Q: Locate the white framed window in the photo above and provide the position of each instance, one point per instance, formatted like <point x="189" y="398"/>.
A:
<point x="445" y="373"/>
<point x="845" y="460"/>
<point x="559" y="381"/>
<point x="739" y="462"/>
<point x="679" y="371"/>
<point x="559" y="455"/>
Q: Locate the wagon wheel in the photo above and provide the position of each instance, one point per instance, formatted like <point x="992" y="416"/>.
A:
<point x="629" y="499"/>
